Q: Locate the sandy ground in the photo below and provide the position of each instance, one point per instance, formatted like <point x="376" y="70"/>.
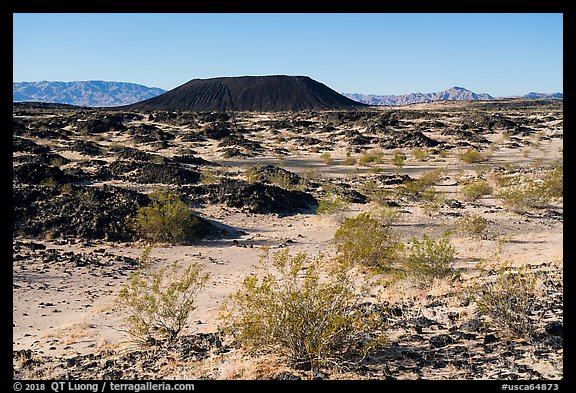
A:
<point x="63" y="310"/>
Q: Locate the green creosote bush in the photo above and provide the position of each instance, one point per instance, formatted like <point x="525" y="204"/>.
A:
<point x="368" y="241"/>
<point x="208" y="176"/>
<point x="49" y="182"/>
<point x="471" y="156"/>
<point x="423" y="187"/>
<point x="429" y="259"/>
<point x="166" y="219"/>
<point x="398" y="159"/>
<point x="251" y="175"/>
<point x="374" y="156"/>
<point x="332" y="204"/>
<point x="349" y="160"/>
<point x="509" y="300"/>
<point x="419" y="153"/>
<point x="475" y="190"/>
<point x="375" y="193"/>
<point x="160" y="301"/>
<point x="526" y="191"/>
<point x="311" y="321"/>
<point x="283" y="180"/>
<point x="327" y="158"/>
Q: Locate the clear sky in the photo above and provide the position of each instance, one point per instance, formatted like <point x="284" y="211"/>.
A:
<point x="499" y="54"/>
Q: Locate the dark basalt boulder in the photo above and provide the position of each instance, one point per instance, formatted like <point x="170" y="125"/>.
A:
<point x="129" y="153"/>
<point x="83" y="212"/>
<point x="269" y="173"/>
<point x="408" y="139"/>
<point x="26" y="145"/>
<point x="37" y="173"/>
<point x="88" y="148"/>
<point x="152" y="173"/>
<point x="100" y="123"/>
<point x="253" y="198"/>
<point x="145" y="133"/>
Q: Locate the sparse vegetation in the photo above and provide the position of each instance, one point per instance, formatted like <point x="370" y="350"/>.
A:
<point x="419" y="153"/>
<point x="282" y="180"/>
<point x="472" y="156"/>
<point x="208" y="176"/>
<point x="538" y="191"/>
<point x="375" y="193"/>
<point x="367" y="241"/>
<point x="160" y="301"/>
<point x="472" y="225"/>
<point x="166" y="219"/>
<point x="251" y="175"/>
<point x="398" y="159"/>
<point x="475" y="190"/>
<point x="429" y="259"/>
<point x="313" y="323"/>
<point x="509" y="300"/>
<point x="349" y="160"/>
<point x="331" y="204"/>
<point x="327" y="158"/>
<point x="371" y="157"/>
<point x="423" y="187"/>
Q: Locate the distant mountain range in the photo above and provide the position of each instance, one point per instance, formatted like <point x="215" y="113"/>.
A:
<point x="543" y="95"/>
<point x="453" y="94"/>
<point x="83" y="93"/>
<point x="105" y="94"/>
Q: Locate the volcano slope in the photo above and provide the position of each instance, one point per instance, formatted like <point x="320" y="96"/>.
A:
<point x="249" y="93"/>
<point x="286" y="180"/>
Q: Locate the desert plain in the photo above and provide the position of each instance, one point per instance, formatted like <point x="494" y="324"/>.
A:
<point x="284" y="180"/>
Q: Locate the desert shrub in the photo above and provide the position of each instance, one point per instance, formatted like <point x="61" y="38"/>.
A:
<point x="332" y="204"/>
<point x="327" y="158"/>
<point x="252" y="175"/>
<point x="398" y="159"/>
<point x="67" y="188"/>
<point x="208" y="176"/>
<point x="349" y="160"/>
<point x="166" y="219"/>
<point x="475" y="190"/>
<point x="429" y="259"/>
<point x="367" y="241"/>
<point x="539" y="190"/>
<point x="49" y="182"/>
<point x="312" y="322"/>
<point x="283" y="180"/>
<point x="371" y="157"/>
<point x="423" y="187"/>
<point x="472" y="225"/>
<point x="419" y="153"/>
<point x="471" y="156"/>
<point x="309" y="174"/>
<point x="375" y="193"/>
<point x="386" y="215"/>
<point x="160" y="301"/>
<point x="509" y="300"/>
<point x="554" y="180"/>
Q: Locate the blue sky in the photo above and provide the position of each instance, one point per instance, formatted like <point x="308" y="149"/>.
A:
<point x="500" y="54"/>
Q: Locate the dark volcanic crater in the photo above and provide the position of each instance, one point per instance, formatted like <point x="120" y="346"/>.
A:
<point x="249" y="93"/>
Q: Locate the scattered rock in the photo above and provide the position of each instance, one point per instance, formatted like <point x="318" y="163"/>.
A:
<point x="555" y="328"/>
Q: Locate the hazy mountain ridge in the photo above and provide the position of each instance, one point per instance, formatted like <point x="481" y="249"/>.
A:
<point x="84" y="93"/>
<point x="533" y="94"/>
<point x="453" y="94"/>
